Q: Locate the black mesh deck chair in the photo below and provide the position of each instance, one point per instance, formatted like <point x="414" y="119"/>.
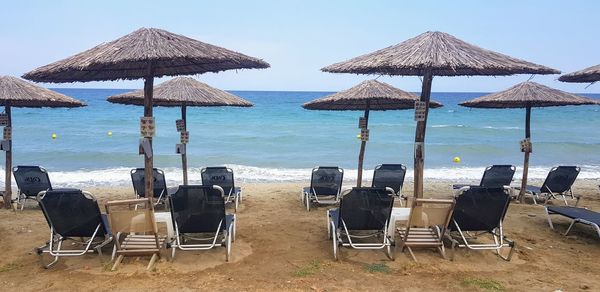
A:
<point x="160" y="185"/>
<point x="223" y="177"/>
<point x="390" y="176"/>
<point x="576" y="215"/>
<point x="559" y="182"/>
<point x="495" y="176"/>
<point x="325" y="186"/>
<point x="200" y="220"/>
<point x="427" y="225"/>
<point x="72" y="215"/>
<point x="30" y="180"/>
<point x="480" y="211"/>
<point x="134" y="230"/>
<point x="361" y="221"/>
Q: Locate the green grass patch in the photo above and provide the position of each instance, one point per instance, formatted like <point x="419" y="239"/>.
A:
<point x="10" y="267"/>
<point x="485" y="284"/>
<point x="377" y="268"/>
<point x="308" y="269"/>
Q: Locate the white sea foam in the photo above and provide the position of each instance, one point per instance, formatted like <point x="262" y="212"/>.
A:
<point x="250" y="174"/>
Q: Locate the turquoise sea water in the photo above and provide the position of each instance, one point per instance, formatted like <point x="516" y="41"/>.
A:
<point x="277" y="140"/>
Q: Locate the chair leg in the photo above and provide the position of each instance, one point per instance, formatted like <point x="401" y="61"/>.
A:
<point x="570" y="227"/>
<point x="411" y="253"/>
<point x="549" y="219"/>
<point x="117" y="262"/>
<point x="152" y="261"/>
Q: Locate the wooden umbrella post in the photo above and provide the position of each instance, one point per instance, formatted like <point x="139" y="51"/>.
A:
<point x="148" y="159"/>
<point x="420" y="135"/>
<point x="184" y="146"/>
<point x="363" y="145"/>
<point x="527" y="152"/>
<point x="8" y="166"/>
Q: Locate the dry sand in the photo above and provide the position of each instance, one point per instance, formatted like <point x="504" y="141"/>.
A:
<point x="281" y="246"/>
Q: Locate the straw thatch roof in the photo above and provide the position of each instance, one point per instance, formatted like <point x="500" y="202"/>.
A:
<point x="17" y="92"/>
<point x="591" y="74"/>
<point x="381" y="96"/>
<point x="528" y="94"/>
<point x="181" y="91"/>
<point x="442" y="53"/>
<point x="129" y="57"/>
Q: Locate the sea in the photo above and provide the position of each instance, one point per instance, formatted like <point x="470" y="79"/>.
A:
<point x="277" y="140"/>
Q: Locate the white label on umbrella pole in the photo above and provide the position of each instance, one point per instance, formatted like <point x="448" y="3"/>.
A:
<point x="420" y="108"/>
<point x="147" y="127"/>
<point x="179" y="149"/>
<point x="362" y="123"/>
<point x="5" y="145"/>
<point x="180" y="124"/>
<point x="7" y="133"/>
<point x="3" y="119"/>
<point x="145" y="147"/>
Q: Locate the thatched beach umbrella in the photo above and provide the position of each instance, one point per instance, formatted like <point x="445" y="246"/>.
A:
<point x="366" y="96"/>
<point x="15" y="92"/>
<point x="434" y="54"/>
<point x="144" y="54"/>
<point x="527" y="95"/>
<point x="587" y="75"/>
<point x="183" y="92"/>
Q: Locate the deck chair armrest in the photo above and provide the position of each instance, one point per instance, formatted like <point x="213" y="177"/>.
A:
<point x="127" y="202"/>
<point x="237" y="190"/>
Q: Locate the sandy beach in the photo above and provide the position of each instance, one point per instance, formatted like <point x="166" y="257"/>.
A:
<point x="281" y="246"/>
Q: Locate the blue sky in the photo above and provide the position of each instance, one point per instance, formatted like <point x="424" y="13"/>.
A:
<point x="299" y="37"/>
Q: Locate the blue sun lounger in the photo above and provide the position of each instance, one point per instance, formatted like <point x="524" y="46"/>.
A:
<point x="576" y="214"/>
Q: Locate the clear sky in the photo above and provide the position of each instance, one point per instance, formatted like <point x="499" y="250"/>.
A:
<point x="299" y="37"/>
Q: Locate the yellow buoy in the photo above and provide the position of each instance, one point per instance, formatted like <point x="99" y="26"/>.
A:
<point x="109" y="133"/>
<point x="54" y="136"/>
<point x="358" y="136"/>
<point x="456" y="159"/>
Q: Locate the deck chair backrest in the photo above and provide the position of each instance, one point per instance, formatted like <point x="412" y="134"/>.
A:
<point x="123" y="218"/>
<point x="389" y="175"/>
<point x="560" y="179"/>
<point x="220" y="176"/>
<point x="480" y="208"/>
<point x="366" y="208"/>
<point x="327" y="180"/>
<point x="497" y="176"/>
<point x="70" y="212"/>
<point x="430" y="212"/>
<point x="31" y="180"/>
<point x="138" y="179"/>
<point x="198" y="209"/>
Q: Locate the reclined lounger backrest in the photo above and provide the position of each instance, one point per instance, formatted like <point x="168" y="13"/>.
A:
<point x="560" y="179"/>
<point x="480" y="209"/>
<point x="497" y="176"/>
<point x="71" y="213"/>
<point x="366" y="208"/>
<point x="138" y="179"/>
<point x="327" y="180"/>
<point x="198" y="209"/>
<point x="31" y="180"/>
<point x="220" y="176"/>
<point x="389" y="175"/>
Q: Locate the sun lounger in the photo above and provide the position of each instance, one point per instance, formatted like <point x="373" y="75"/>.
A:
<point x="559" y="182"/>
<point x="30" y="180"/>
<point x="364" y="213"/>
<point x="390" y="176"/>
<point x="480" y="211"/>
<point x="325" y="186"/>
<point x="72" y="215"/>
<point x="576" y="214"/>
<point x="493" y="176"/>
<point x="200" y="220"/>
<point x="223" y="177"/>
<point x="427" y="225"/>
<point x="160" y="185"/>
<point x="134" y="230"/>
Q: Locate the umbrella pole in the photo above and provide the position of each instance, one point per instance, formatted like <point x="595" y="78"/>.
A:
<point x="8" y="167"/>
<point x="184" y="145"/>
<point x="527" y="151"/>
<point x="361" y="154"/>
<point x="148" y="161"/>
<point x="420" y="136"/>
